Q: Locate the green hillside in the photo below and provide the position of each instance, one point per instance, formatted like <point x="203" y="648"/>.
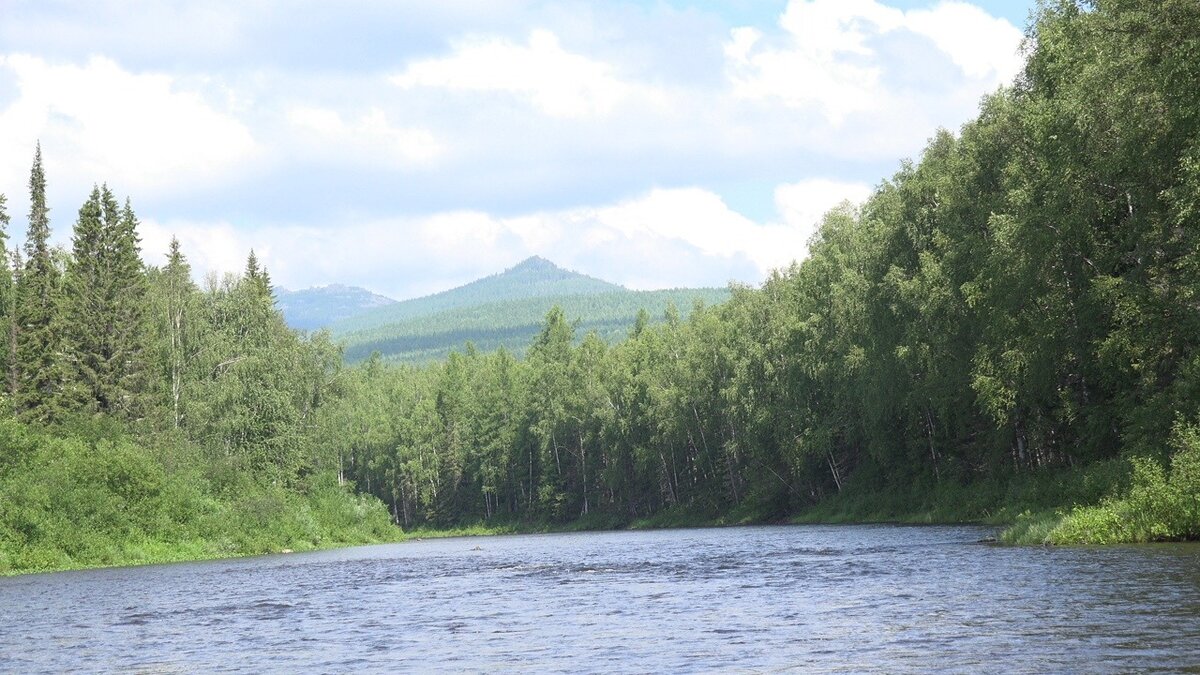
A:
<point x="513" y="324"/>
<point x="535" y="277"/>
<point x="314" y="308"/>
<point x="507" y="310"/>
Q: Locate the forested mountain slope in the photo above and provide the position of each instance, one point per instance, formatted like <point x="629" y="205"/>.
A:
<point x="533" y="277"/>
<point x="507" y="310"/>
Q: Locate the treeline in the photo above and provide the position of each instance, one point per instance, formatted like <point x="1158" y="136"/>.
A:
<point x="1022" y="302"/>
<point x="146" y="412"/>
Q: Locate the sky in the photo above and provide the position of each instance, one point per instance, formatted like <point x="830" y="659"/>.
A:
<point x="411" y="146"/>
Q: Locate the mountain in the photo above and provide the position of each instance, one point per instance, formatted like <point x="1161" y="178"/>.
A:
<point x="315" y="308"/>
<point x="507" y="310"/>
<point x="534" y="277"/>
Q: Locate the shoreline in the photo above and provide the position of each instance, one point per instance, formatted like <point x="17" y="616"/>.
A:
<point x="188" y="551"/>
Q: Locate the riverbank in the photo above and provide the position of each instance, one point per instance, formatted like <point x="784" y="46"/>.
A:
<point x="91" y="498"/>
<point x="1026" y="507"/>
<point x="301" y="530"/>
<point x="1105" y="503"/>
<point x="1111" y="502"/>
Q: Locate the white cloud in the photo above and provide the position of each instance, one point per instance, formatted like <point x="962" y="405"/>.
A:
<point x="563" y="130"/>
<point x="828" y="59"/>
<point x="209" y="247"/>
<point x="803" y="204"/>
<point x="460" y="233"/>
<point x="140" y="132"/>
<point x="702" y="221"/>
<point x="983" y="46"/>
<point x="557" y="82"/>
<point x="372" y="134"/>
<point x="662" y="238"/>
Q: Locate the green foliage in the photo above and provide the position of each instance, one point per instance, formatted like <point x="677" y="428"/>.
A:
<point x="8" y="300"/>
<point x="175" y="343"/>
<point x="166" y="422"/>
<point x="104" y="309"/>
<point x="39" y="372"/>
<point x="1159" y="505"/>
<point x="71" y="502"/>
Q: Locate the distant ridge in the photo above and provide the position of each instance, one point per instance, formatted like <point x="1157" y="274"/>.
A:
<point x="317" y="307"/>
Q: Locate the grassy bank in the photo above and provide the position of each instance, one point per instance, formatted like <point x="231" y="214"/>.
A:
<point x="1160" y="502"/>
<point x="82" y="500"/>
<point x="1000" y="500"/>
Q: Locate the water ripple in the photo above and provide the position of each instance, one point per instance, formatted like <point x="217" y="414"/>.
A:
<point x="764" y="599"/>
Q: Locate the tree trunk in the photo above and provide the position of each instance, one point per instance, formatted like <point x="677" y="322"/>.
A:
<point x="583" y="463"/>
<point x="937" y="473"/>
<point x="833" y="469"/>
<point x="730" y="460"/>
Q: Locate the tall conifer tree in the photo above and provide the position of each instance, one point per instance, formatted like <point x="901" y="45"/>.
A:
<point x="259" y="278"/>
<point x="12" y="374"/>
<point x="105" y="292"/>
<point x="130" y="292"/>
<point x="38" y="345"/>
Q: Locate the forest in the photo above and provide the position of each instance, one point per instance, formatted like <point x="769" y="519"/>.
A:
<point x="150" y="419"/>
<point x="1006" y="331"/>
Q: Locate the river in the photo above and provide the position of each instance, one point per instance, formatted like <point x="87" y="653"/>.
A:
<point x="827" y="598"/>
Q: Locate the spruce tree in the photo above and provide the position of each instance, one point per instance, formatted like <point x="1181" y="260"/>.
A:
<point x="129" y="299"/>
<point x="38" y="345"/>
<point x="83" y="300"/>
<point x="258" y="277"/>
<point x="105" y="292"/>
<point x="12" y="374"/>
<point x="256" y="304"/>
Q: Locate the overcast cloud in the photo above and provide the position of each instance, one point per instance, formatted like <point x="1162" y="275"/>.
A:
<point x="409" y="147"/>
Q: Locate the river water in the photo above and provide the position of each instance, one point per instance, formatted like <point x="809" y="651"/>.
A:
<point x="826" y="598"/>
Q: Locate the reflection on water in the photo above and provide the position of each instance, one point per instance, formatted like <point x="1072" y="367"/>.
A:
<point x="762" y="598"/>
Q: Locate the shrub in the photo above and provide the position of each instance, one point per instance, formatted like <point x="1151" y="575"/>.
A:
<point x="1159" y="505"/>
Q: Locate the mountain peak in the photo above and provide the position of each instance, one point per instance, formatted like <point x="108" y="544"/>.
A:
<point x="535" y="263"/>
<point x="538" y="272"/>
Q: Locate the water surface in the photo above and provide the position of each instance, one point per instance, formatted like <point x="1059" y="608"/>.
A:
<point x="829" y="598"/>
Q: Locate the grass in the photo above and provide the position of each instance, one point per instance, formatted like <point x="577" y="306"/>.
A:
<point x="1159" y="502"/>
<point x="1009" y="499"/>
